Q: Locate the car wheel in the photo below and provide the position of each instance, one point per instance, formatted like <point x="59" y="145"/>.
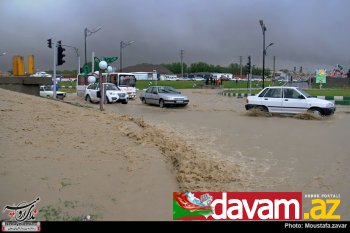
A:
<point x="144" y="101"/>
<point x="107" y="100"/>
<point x="125" y="102"/>
<point x="87" y="98"/>
<point x="316" y="112"/>
<point x="161" y="103"/>
<point x="262" y="108"/>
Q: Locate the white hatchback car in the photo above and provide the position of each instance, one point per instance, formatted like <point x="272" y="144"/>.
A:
<point x="289" y="100"/>
<point x="47" y="91"/>
<point x="113" y="93"/>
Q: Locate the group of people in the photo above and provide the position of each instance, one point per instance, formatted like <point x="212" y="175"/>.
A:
<point x="213" y="81"/>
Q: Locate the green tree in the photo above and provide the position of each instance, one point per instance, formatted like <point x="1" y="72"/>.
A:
<point x="176" y="67"/>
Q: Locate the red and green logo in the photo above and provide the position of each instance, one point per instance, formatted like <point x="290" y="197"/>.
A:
<point x="187" y="206"/>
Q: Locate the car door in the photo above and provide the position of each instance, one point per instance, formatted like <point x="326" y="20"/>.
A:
<point x="273" y="99"/>
<point x="148" y="95"/>
<point x="93" y="91"/>
<point x="155" y="95"/>
<point x="293" y="101"/>
<point x="42" y="91"/>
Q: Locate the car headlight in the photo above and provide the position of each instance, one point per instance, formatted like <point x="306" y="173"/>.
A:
<point x="112" y="93"/>
<point x="329" y="105"/>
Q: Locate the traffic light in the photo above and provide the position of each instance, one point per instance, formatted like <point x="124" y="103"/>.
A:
<point x="60" y="54"/>
<point x="248" y="65"/>
<point x="49" y="43"/>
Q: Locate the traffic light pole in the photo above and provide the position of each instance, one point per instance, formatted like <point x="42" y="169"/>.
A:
<point x="250" y="77"/>
<point x="54" y="69"/>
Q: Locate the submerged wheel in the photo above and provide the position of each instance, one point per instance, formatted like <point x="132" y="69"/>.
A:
<point x="315" y="111"/>
<point x="107" y="100"/>
<point x="144" y="101"/>
<point x="161" y="103"/>
<point x="262" y="108"/>
<point x="87" y="98"/>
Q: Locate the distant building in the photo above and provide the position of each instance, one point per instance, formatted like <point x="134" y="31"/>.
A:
<point x="146" y="71"/>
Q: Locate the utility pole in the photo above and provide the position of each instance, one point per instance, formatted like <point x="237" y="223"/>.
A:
<point x="250" y="76"/>
<point x="274" y="70"/>
<point x="182" y="65"/>
<point x="240" y="64"/>
<point x="54" y="69"/>
<point x="77" y="53"/>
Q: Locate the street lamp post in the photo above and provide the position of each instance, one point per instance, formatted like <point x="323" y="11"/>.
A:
<point x="77" y="53"/>
<point x="182" y="64"/>
<point x="103" y="66"/>
<point x="87" y="33"/>
<point x="263" y="28"/>
<point x="123" y="45"/>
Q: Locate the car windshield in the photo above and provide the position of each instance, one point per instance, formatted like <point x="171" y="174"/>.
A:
<point x="48" y="88"/>
<point x="110" y="87"/>
<point x="167" y="90"/>
<point x="304" y="93"/>
<point x="127" y="80"/>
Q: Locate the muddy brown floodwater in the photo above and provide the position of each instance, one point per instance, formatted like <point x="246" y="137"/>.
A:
<point x="255" y="153"/>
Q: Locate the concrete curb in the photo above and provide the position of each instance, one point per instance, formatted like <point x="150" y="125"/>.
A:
<point x="338" y="100"/>
<point x="238" y="95"/>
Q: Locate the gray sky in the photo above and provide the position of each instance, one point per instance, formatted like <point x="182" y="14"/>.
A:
<point x="308" y="33"/>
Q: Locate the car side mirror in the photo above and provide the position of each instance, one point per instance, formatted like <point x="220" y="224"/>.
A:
<point x="301" y="97"/>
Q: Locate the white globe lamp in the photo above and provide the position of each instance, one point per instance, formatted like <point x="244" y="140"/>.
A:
<point x="103" y="65"/>
<point x="109" y="69"/>
<point x="91" y="79"/>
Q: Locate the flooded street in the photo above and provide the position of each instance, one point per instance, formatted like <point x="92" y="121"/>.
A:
<point x="278" y="153"/>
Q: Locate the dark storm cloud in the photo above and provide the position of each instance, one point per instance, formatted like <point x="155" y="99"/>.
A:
<point x="308" y="33"/>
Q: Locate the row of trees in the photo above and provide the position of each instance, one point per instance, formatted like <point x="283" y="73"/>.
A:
<point x="175" y="67"/>
<point x="233" y="68"/>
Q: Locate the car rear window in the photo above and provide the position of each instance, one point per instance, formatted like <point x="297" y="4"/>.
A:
<point x="274" y="93"/>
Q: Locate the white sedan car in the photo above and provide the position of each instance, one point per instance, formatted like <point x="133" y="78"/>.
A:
<point x="289" y="100"/>
<point x="113" y="93"/>
<point x="47" y="91"/>
<point x="41" y="74"/>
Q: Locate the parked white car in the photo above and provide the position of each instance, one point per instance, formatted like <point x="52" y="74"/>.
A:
<point x="41" y="74"/>
<point x="289" y="100"/>
<point x="113" y="93"/>
<point x="47" y="91"/>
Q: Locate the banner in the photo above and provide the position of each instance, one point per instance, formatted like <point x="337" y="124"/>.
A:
<point x="320" y="75"/>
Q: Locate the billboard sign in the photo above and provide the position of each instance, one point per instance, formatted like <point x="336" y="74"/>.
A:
<point x="320" y="75"/>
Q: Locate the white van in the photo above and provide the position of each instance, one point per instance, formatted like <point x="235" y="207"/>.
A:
<point x="124" y="81"/>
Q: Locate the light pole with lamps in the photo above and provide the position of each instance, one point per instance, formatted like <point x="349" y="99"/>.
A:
<point x="263" y="28"/>
<point x="103" y="66"/>
<point x="87" y="33"/>
<point x="123" y="45"/>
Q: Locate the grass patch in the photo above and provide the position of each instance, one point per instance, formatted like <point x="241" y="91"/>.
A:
<point x="68" y="90"/>
<point x="181" y="84"/>
<point x="339" y="92"/>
